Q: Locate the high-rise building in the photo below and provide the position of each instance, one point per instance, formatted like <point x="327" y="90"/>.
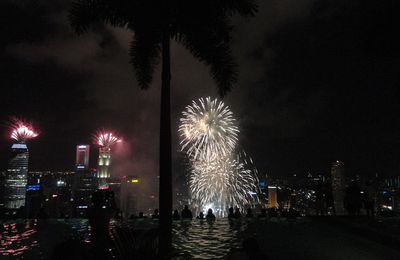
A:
<point x="16" y="177"/>
<point x="338" y="186"/>
<point x="82" y="157"/>
<point x="131" y="195"/>
<point x="272" y="197"/>
<point x="84" y="183"/>
<point x="105" y="140"/>
<point x="2" y="186"/>
<point x="103" y="171"/>
<point x="50" y="191"/>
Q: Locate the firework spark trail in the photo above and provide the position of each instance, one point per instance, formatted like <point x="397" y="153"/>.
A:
<point x="105" y="139"/>
<point x="22" y="131"/>
<point x="219" y="176"/>
<point x="208" y="129"/>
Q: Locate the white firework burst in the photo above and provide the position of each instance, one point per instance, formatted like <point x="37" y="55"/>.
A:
<point x="223" y="183"/>
<point x="208" y="130"/>
<point x="219" y="177"/>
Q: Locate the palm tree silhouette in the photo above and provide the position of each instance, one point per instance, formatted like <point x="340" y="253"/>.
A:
<point x="202" y="26"/>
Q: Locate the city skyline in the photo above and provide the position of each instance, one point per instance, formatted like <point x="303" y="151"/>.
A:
<point x="213" y="129"/>
<point x="293" y="117"/>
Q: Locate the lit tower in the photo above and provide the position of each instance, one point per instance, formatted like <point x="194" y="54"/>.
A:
<point x="82" y="157"/>
<point x="17" y="171"/>
<point x="105" y="140"/>
<point x="338" y="186"/>
<point x="272" y="197"/>
<point x="84" y="183"/>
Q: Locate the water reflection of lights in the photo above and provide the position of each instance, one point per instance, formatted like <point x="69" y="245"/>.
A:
<point x="15" y="238"/>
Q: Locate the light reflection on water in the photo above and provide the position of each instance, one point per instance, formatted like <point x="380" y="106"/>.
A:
<point x="35" y="239"/>
<point x="16" y="238"/>
<point x="203" y="240"/>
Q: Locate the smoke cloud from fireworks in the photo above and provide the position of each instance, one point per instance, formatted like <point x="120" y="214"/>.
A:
<point x="22" y="131"/>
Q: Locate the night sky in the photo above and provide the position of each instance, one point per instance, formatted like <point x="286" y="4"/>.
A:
<point x="319" y="81"/>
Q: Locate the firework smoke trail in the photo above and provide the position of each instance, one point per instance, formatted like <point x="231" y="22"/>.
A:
<point x="22" y="131"/>
<point x="208" y="129"/>
<point x="219" y="176"/>
<point x="105" y="139"/>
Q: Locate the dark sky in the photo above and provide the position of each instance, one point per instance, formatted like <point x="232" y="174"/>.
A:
<point x="319" y="81"/>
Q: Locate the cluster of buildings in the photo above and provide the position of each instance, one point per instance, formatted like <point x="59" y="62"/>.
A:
<point x="68" y="193"/>
<point x="326" y="194"/>
<point x="65" y="193"/>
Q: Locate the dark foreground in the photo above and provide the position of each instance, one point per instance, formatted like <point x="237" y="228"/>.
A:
<point x="307" y="238"/>
<point x="320" y="239"/>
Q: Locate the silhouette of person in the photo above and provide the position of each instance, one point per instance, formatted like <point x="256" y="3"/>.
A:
<point x="249" y="213"/>
<point x="231" y="215"/>
<point x="237" y="213"/>
<point x="210" y="215"/>
<point x="186" y="213"/>
<point x="156" y="214"/>
<point x="201" y="215"/>
<point x="176" y="216"/>
<point x="118" y="214"/>
<point x="291" y="216"/>
<point x="353" y="199"/>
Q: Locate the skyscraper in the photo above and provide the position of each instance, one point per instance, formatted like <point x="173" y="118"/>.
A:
<point x="82" y="157"/>
<point x="104" y="140"/>
<point x="131" y="195"/>
<point x="272" y="197"/>
<point x="84" y="183"/>
<point x="16" y="177"/>
<point x="104" y="163"/>
<point x="338" y="186"/>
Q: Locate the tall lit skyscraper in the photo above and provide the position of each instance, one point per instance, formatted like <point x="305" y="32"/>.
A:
<point x="16" y="180"/>
<point x="104" y="163"/>
<point x="82" y="157"/>
<point x="104" y="140"/>
<point x="84" y="183"/>
<point x="272" y="197"/>
<point x="338" y="186"/>
<point x="17" y="172"/>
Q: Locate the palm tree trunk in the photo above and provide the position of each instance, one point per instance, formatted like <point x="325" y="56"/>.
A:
<point x="165" y="193"/>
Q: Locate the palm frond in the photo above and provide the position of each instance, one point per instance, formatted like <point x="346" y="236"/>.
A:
<point x="245" y="8"/>
<point x="85" y="13"/>
<point x="144" y="56"/>
<point x="212" y="47"/>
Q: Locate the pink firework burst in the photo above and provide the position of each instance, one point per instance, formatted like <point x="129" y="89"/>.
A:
<point x="22" y="131"/>
<point x="106" y="138"/>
